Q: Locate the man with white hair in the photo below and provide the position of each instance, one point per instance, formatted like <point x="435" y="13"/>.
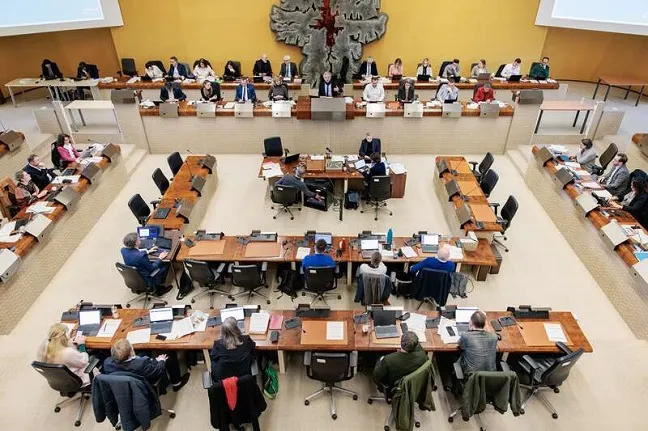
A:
<point x="441" y="262"/>
<point x="288" y="69"/>
<point x="295" y="180"/>
<point x="328" y="88"/>
<point x="262" y="66"/>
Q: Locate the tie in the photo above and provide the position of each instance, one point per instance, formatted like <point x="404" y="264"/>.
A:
<point x="288" y="70"/>
<point x="328" y="90"/>
<point x="244" y="94"/>
<point x="368" y="69"/>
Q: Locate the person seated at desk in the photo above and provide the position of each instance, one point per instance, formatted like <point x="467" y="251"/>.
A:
<point x="512" y="69"/>
<point x="59" y="349"/>
<point x="442" y="262"/>
<point x="616" y="179"/>
<point x="66" y="150"/>
<point x="320" y="258"/>
<point x="41" y="175"/>
<point x="406" y="91"/>
<point x="425" y="68"/>
<point x="262" y="66"/>
<point x="171" y="92"/>
<point x="452" y="70"/>
<point x="374" y="91"/>
<point x="484" y="93"/>
<point x="396" y="69"/>
<point x="479" y="346"/>
<point x="368" y="68"/>
<point x="288" y="69"/>
<point x="85" y="72"/>
<point x="638" y="206"/>
<point x="233" y="353"/>
<point x="368" y="146"/>
<point x="210" y="91"/>
<point x="586" y="156"/>
<point x="203" y="71"/>
<point x="377" y="168"/>
<point x="139" y="259"/>
<point x="245" y="91"/>
<point x="152" y="71"/>
<point x="123" y="358"/>
<point x="26" y="191"/>
<point x="375" y="266"/>
<point x="278" y="90"/>
<point x="540" y="70"/>
<point x="480" y="67"/>
<point x="393" y="367"/>
<point x="177" y="70"/>
<point x="448" y="92"/>
<point x="50" y="70"/>
<point x="328" y="88"/>
<point x="295" y="180"/>
<point x="231" y="72"/>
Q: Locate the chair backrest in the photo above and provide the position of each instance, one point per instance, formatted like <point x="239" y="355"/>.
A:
<point x="175" y="162"/>
<point x="246" y="276"/>
<point x="443" y="66"/>
<point x="195" y="63"/>
<point x="379" y="188"/>
<point x="472" y="65"/>
<point x="498" y="74"/>
<point x="123" y="382"/>
<point x="199" y="272"/>
<point x="285" y="195"/>
<point x="608" y="155"/>
<point x="159" y="64"/>
<point x="329" y="367"/>
<point x="160" y="181"/>
<point x="188" y="69"/>
<point x="508" y="210"/>
<point x="128" y="66"/>
<point x="56" y="157"/>
<point x="132" y="278"/>
<point x="388" y="67"/>
<point x="532" y="65"/>
<point x="559" y="371"/>
<point x="319" y="279"/>
<point x="488" y="181"/>
<point x="93" y="71"/>
<point x="486" y="163"/>
<point x="272" y="146"/>
<point x="139" y="207"/>
<point x="431" y="283"/>
<point x="237" y="65"/>
<point x="59" y="377"/>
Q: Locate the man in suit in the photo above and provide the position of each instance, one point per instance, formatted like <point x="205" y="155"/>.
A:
<point x="368" y="68"/>
<point x="245" y="91"/>
<point x="50" y="70"/>
<point x="368" y="146"/>
<point x="377" y="169"/>
<point x="177" y="70"/>
<point x="262" y="67"/>
<point x="38" y="172"/>
<point x="616" y="179"/>
<point x="139" y="259"/>
<point x="328" y="88"/>
<point x="288" y="69"/>
<point x="171" y="91"/>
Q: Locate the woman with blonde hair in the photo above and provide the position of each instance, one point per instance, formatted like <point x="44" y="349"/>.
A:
<point x="232" y="354"/>
<point x="57" y="349"/>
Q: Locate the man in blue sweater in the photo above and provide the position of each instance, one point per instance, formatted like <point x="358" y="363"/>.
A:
<point x="139" y="259"/>
<point x="441" y="262"/>
<point x="320" y="258"/>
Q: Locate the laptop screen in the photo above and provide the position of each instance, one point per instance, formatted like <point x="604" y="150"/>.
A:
<point x="360" y="164"/>
<point x="89" y="317"/>
<point x="384" y="317"/>
<point x="161" y="314"/>
<point x="147" y="232"/>
<point x="235" y="312"/>
<point x="325" y="236"/>
<point x="463" y="314"/>
<point x="369" y="244"/>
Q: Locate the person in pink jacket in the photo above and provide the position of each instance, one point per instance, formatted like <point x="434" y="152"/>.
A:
<point x="66" y="150"/>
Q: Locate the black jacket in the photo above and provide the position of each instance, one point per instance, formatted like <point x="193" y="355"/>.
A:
<point x="216" y="92"/>
<point x="363" y="69"/>
<point x="39" y="176"/>
<point x="231" y="363"/>
<point x="335" y="88"/>
<point x="405" y="96"/>
<point x="249" y="405"/>
<point x="638" y="207"/>
<point x="368" y="148"/>
<point x="178" y="94"/>
<point x="262" y="68"/>
<point x="431" y="283"/>
<point x="126" y="397"/>
<point x="228" y="75"/>
<point x="55" y="71"/>
<point x="293" y="70"/>
<point x="149" y="368"/>
<point x="377" y="170"/>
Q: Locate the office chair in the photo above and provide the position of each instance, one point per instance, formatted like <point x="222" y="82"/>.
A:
<point x="285" y="196"/>
<point x="504" y="219"/>
<point x="138" y="285"/>
<point x="379" y="190"/>
<point x="251" y="278"/>
<point x="189" y="71"/>
<point x="56" y="158"/>
<point x="159" y="64"/>
<point x="531" y="68"/>
<point x="128" y="66"/>
<point x="546" y="371"/>
<point x="484" y="165"/>
<point x="195" y="63"/>
<point x="472" y="65"/>
<point x="488" y="182"/>
<point x="160" y="181"/>
<point x="431" y="286"/>
<point x="272" y="147"/>
<point x="501" y="67"/>
<point x="139" y="208"/>
<point x="330" y="368"/>
<point x="605" y="159"/>
<point x="443" y="66"/>
<point x="175" y="162"/>
<point x="318" y="281"/>
<point x="69" y="385"/>
<point x="207" y="277"/>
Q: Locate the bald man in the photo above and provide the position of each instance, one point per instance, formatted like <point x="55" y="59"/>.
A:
<point x="288" y="69"/>
<point x="262" y="67"/>
<point x="441" y="262"/>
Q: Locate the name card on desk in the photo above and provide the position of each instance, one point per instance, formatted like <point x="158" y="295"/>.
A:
<point x="375" y="110"/>
<point x="613" y="234"/>
<point x="413" y="110"/>
<point x="244" y="110"/>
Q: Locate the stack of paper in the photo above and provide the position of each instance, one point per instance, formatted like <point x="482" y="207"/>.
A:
<point x="456" y="253"/>
<point x="5" y="233"/>
<point x="199" y="320"/>
<point x="554" y="332"/>
<point x="416" y="324"/>
<point x="259" y="322"/>
<point x="397" y="168"/>
<point x="316" y="157"/>
<point x="147" y="104"/>
<point x="558" y="149"/>
<point x="302" y="252"/>
<point x="133" y="80"/>
<point x="337" y="158"/>
<point x="408" y="252"/>
<point x="472" y="105"/>
<point x="229" y="105"/>
<point x="40" y="208"/>
<point x="335" y="331"/>
<point x="73" y="179"/>
<point x="591" y="185"/>
<point x="109" y="328"/>
<point x="574" y="165"/>
<point x="139" y="336"/>
<point x="352" y="157"/>
<point x="181" y="328"/>
<point x="272" y="173"/>
<point x="443" y="331"/>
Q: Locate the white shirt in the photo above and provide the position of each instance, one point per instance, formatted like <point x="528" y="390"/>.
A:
<point x="154" y="72"/>
<point x="202" y="73"/>
<point x="171" y="94"/>
<point x="70" y="149"/>
<point x="424" y="70"/>
<point x="365" y="268"/>
<point x="373" y="94"/>
<point x="510" y="69"/>
<point x="176" y="74"/>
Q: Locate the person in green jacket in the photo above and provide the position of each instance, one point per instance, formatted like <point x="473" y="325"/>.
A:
<point x="540" y="70"/>
<point x="393" y="367"/>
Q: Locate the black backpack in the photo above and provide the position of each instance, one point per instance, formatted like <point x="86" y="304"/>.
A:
<point x="290" y="281"/>
<point x="185" y="286"/>
<point x="351" y="200"/>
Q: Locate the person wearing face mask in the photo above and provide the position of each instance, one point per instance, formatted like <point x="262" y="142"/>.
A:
<point x="586" y="156"/>
<point x="177" y="70"/>
<point x="540" y="70"/>
<point x="478" y="68"/>
<point x="368" y="146"/>
<point x="66" y="150"/>
<point x="424" y="71"/>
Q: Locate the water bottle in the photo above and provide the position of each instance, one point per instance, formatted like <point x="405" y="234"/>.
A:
<point x="390" y="236"/>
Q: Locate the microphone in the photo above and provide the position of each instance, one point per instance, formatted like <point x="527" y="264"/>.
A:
<point x="328" y="152"/>
<point x="286" y="152"/>
<point x="466" y="197"/>
<point x="189" y="167"/>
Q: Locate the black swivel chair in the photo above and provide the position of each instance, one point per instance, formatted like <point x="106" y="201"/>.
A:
<point x="431" y="286"/>
<point x="207" y="277"/>
<point x="484" y="165"/>
<point x="68" y="384"/>
<point x="546" y="371"/>
<point x="159" y="64"/>
<point x="605" y="159"/>
<point x="160" y="181"/>
<point x="285" y="197"/>
<point x="379" y="189"/>
<point x="128" y="66"/>
<point x="504" y="219"/>
<point x="175" y="162"/>
<point x="330" y="368"/>
<point x="251" y="278"/>
<point x="319" y="281"/>
<point x="443" y="66"/>
<point x="472" y="66"/>
<point x="56" y="158"/>
<point x="272" y="147"/>
<point x="138" y="285"/>
<point x="498" y="74"/>
<point x="488" y="182"/>
<point x="139" y="208"/>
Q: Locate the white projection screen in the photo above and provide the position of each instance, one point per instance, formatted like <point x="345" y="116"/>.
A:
<point x="620" y="16"/>
<point x="41" y="16"/>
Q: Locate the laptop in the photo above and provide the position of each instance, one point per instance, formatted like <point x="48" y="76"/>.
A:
<point x="396" y="77"/>
<point x="89" y="322"/>
<point x="423" y="78"/>
<point x="430" y="243"/>
<point x="484" y="76"/>
<point x="161" y="320"/>
<point x="360" y="165"/>
<point x="462" y="317"/>
<point x="67" y="172"/>
<point x="385" y="324"/>
<point x="514" y="78"/>
<point x="161" y="213"/>
<point x="238" y="313"/>
<point x="368" y="247"/>
<point x="328" y="237"/>
<point x="147" y="236"/>
<point x="292" y="158"/>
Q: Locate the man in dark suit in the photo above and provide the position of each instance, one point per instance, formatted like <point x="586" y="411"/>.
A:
<point x="377" y="169"/>
<point x="139" y="259"/>
<point x="617" y="178"/>
<point x="245" y="91"/>
<point x="262" y="67"/>
<point x="368" y="146"/>
<point x="172" y="89"/>
<point x="50" y="70"/>
<point x="177" y="70"/>
<point x="288" y="69"/>
<point x="38" y="172"/>
<point x="328" y="88"/>
<point x="368" y="67"/>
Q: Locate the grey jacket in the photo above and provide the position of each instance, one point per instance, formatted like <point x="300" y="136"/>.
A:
<point x="296" y="182"/>
<point x="373" y="289"/>
<point x="617" y="182"/>
<point x="586" y="158"/>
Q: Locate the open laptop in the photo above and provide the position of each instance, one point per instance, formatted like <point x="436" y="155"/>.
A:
<point x="89" y="322"/>
<point x="328" y="237"/>
<point x="291" y="158"/>
<point x="385" y="324"/>
<point x="514" y="78"/>
<point x="238" y="313"/>
<point x="360" y="165"/>
<point x="161" y="320"/>
<point x="423" y="78"/>
<point x="462" y="317"/>
<point x="430" y="243"/>
<point x="368" y="247"/>
<point x="396" y="78"/>
<point x="483" y="76"/>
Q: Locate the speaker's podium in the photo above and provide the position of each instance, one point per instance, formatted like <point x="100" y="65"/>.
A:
<point x="328" y="108"/>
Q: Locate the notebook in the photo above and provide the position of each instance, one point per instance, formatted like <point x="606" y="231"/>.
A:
<point x="275" y="322"/>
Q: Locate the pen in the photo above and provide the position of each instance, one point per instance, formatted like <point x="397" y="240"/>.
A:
<point x="104" y="327"/>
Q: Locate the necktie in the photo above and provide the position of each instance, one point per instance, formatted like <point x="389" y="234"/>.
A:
<point x="244" y="94"/>
<point x="368" y="69"/>
<point x="328" y="90"/>
<point x="288" y="70"/>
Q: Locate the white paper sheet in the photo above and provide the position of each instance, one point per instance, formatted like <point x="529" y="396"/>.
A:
<point x="591" y="185"/>
<point x="302" y="252"/>
<point x="554" y="332"/>
<point x="409" y="252"/>
<point x="73" y="179"/>
<point x="456" y="253"/>
<point x="416" y="324"/>
<point x="139" y="336"/>
<point x="199" y="320"/>
<point x="109" y="328"/>
<point x="317" y="157"/>
<point x="181" y="328"/>
<point x="259" y="322"/>
<point x="334" y="331"/>
<point x="443" y="332"/>
<point x="8" y="228"/>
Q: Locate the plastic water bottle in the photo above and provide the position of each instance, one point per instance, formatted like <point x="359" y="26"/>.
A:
<point x="390" y="236"/>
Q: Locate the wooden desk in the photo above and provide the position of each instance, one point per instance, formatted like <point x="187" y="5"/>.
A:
<point x="120" y="83"/>
<point x="180" y="189"/>
<point x="497" y="85"/>
<point x="396" y="109"/>
<point x="620" y="81"/>
<point x="567" y="105"/>
<point x="188" y="110"/>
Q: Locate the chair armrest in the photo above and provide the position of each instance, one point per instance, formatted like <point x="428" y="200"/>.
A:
<point x="92" y="364"/>
<point x="458" y="370"/>
<point x="206" y="379"/>
<point x="264" y="266"/>
<point x="229" y="267"/>
<point x="220" y="268"/>
<point x="474" y="165"/>
<point x="307" y="358"/>
<point x="562" y="346"/>
<point x="495" y="206"/>
<point x="505" y="366"/>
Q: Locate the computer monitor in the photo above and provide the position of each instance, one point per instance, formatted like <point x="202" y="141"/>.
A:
<point x="325" y="236"/>
<point x="148" y="232"/>
<point x="89" y="317"/>
<point x="237" y="313"/>
<point x="292" y="158"/>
